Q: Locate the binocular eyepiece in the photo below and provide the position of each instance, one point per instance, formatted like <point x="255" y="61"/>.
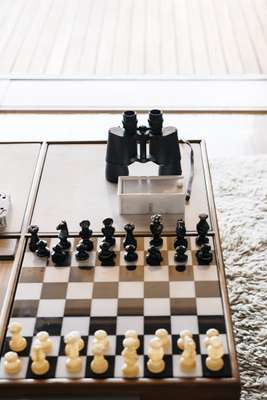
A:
<point x="128" y="144"/>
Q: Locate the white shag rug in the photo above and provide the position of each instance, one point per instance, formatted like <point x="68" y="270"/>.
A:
<point x="240" y="188"/>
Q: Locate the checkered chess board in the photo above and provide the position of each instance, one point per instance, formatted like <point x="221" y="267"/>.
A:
<point x="86" y="296"/>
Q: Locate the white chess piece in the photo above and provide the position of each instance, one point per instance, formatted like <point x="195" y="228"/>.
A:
<point x="17" y="342"/>
<point x="214" y="361"/>
<point x="130" y="368"/>
<point x="74" y="361"/>
<point x="43" y="339"/>
<point x="186" y="333"/>
<point x="133" y="334"/>
<point x="80" y="341"/>
<point x="163" y="335"/>
<point x="40" y="365"/>
<point x="210" y="333"/>
<point x="99" y="364"/>
<point x="188" y="357"/>
<point x="12" y="363"/>
<point x="155" y="363"/>
<point x="101" y="336"/>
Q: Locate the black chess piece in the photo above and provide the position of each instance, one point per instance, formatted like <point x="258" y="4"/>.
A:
<point x="204" y="255"/>
<point x="108" y="231"/>
<point x="42" y="249"/>
<point x="180" y="255"/>
<point x="63" y="235"/>
<point x="106" y="255"/>
<point x="33" y="230"/>
<point x="202" y="230"/>
<point x="180" y="234"/>
<point x="58" y="255"/>
<point x="130" y="253"/>
<point x="85" y="234"/>
<point x="154" y="256"/>
<point x="81" y="253"/>
<point x="129" y="237"/>
<point x="156" y="229"/>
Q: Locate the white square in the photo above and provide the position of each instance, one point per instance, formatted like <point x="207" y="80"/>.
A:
<point x="205" y="273"/>
<point x="32" y="260"/>
<point x="90" y="262"/>
<point x="119" y="363"/>
<point x="80" y="324"/>
<point x="22" y="372"/>
<point x="56" y="274"/>
<point x="62" y="372"/>
<point x="131" y="290"/>
<point x="79" y="290"/>
<point x="28" y="291"/>
<point x="156" y="307"/>
<point x="106" y="274"/>
<point x="181" y="322"/>
<point x="139" y="261"/>
<point x="111" y="349"/>
<point x="27" y="324"/>
<point x="182" y="289"/>
<point x="157" y="273"/>
<point x="51" y="308"/>
<point x="171" y="260"/>
<point x="209" y="306"/>
<point x="147" y="340"/>
<point x="55" y="345"/>
<point x="179" y="373"/>
<point x="147" y="243"/>
<point x="126" y="323"/>
<point x="104" y="307"/>
<point x="203" y="349"/>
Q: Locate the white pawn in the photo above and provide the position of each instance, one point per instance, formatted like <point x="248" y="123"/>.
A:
<point x="188" y="357"/>
<point x="130" y="368"/>
<point x="186" y="333"/>
<point x="74" y="361"/>
<point x="17" y="342"/>
<point x="210" y="333"/>
<point x="163" y="335"/>
<point x="12" y="363"/>
<point x="80" y="341"/>
<point x="101" y="336"/>
<point x="44" y="340"/>
<point x="214" y="361"/>
<point x="99" y="364"/>
<point x="155" y="364"/>
<point x="133" y="334"/>
<point x="40" y="365"/>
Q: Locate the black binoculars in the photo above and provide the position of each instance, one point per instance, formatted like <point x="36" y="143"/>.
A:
<point x="131" y="143"/>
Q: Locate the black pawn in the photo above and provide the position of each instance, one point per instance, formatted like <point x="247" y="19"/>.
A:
<point x="154" y="256"/>
<point x="85" y="234"/>
<point x="129" y="237"/>
<point x="108" y="231"/>
<point x="58" y="255"/>
<point x="81" y="253"/>
<point x="180" y="234"/>
<point x="156" y="229"/>
<point x="63" y="235"/>
<point x="180" y="255"/>
<point x="204" y="255"/>
<point x="130" y="254"/>
<point x="33" y="230"/>
<point x="106" y="255"/>
<point x="42" y="249"/>
<point x="202" y="230"/>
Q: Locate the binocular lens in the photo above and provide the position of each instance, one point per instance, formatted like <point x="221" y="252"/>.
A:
<point x="129" y="121"/>
<point x="155" y="121"/>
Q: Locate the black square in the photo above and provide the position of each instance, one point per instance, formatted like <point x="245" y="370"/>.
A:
<point x="106" y="375"/>
<point x="62" y="345"/>
<point x="166" y="373"/>
<point x="50" y="374"/>
<point x="225" y="372"/>
<point x="25" y="308"/>
<point x="119" y="346"/>
<point x="109" y="325"/>
<point x="175" y="348"/>
<point x="206" y="322"/>
<point x="51" y="325"/>
<point x="151" y="324"/>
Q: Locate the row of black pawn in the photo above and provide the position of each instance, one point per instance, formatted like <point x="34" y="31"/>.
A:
<point x="106" y="254"/>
